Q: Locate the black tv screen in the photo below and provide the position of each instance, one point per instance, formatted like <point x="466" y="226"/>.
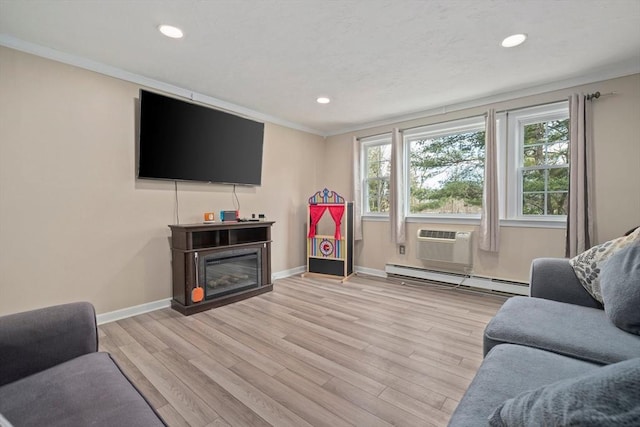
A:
<point x="184" y="141"/>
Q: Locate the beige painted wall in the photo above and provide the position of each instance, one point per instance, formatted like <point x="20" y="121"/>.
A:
<point x="617" y="177"/>
<point x="75" y="224"/>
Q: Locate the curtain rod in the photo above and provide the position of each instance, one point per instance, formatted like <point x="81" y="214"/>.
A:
<point x="374" y="135"/>
<point x="597" y="95"/>
<point x="481" y="115"/>
<point x="590" y="97"/>
<point x="531" y="106"/>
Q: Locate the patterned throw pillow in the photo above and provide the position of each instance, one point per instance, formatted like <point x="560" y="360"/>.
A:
<point x="587" y="265"/>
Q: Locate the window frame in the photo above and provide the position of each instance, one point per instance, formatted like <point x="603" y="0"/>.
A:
<point x="510" y="156"/>
<point x="511" y="142"/>
<point x="365" y="144"/>
<point x="436" y="130"/>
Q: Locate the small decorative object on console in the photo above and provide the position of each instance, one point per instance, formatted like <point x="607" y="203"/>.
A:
<point x="226" y="216"/>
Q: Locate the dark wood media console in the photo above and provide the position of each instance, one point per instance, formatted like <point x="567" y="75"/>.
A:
<point x="231" y="261"/>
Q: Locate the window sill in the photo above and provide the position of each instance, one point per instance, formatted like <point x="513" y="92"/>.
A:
<point x="469" y="220"/>
<point x="376" y="218"/>
<point x="534" y="223"/>
<point x="516" y="223"/>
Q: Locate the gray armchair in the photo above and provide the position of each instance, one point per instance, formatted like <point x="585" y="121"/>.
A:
<point x="52" y="374"/>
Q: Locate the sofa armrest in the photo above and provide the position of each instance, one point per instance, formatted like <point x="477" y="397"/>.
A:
<point x="554" y="279"/>
<point x="35" y="340"/>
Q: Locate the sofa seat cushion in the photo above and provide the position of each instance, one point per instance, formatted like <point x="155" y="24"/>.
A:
<point x="89" y="390"/>
<point x="507" y="371"/>
<point x="581" y="332"/>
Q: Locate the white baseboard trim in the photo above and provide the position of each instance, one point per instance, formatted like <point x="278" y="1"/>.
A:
<point x="497" y="285"/>
<point x="479" y="282"/>
<point x="123" y="313"/>
<point x="370" y="271"/>
<point x="288" y="273"/>
<point x="421" y="273"/>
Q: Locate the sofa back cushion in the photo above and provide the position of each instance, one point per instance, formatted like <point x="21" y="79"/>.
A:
<point x="35" y="340"/>
<point x="620" y="284"/>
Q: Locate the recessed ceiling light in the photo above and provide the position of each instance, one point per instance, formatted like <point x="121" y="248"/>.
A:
<point x="323" y="100"/>
<point x="514" y="40"/>
<point x="171" y="31"/>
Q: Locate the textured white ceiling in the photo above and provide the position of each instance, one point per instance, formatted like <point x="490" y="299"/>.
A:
<point x="377" y="60"/>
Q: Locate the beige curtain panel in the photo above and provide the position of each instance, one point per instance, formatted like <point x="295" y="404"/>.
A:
<point x="579" y="215"/>
<point x="489" y="239"/>
<point x="357" y="191"/>
<point x="397" y="214"/>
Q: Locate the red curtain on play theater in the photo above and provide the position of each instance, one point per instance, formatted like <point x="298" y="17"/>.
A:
<point x="336" y="213"/>
<point x="315" y="213"/>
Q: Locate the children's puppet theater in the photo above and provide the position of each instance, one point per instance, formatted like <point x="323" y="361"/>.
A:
<point x="330" y="255"/>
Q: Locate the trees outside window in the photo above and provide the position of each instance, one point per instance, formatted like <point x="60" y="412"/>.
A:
<point x="545" y="170"/>
<point x="446" y="167"/>
<point x="377" y="173"/>
<point x="539" y="139"/>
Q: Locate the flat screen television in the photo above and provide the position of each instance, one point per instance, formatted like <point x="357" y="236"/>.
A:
<point x="182" y="141"/>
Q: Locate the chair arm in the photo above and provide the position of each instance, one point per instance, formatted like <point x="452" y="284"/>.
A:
<point x="554" y="279"/>
<point x="35" y="340"/>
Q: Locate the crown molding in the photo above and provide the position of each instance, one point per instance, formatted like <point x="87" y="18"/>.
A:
<point x="606" y="73"/>
<point x="107" y="70"/>
<point x="621" y="69"/>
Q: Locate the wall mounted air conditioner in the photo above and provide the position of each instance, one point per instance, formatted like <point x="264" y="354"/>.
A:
<point x="449" y="249"/>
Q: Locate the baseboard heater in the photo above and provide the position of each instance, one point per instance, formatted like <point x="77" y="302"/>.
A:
<point x="471" y="281"/>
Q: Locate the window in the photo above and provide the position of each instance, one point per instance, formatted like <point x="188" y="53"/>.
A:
<point x="446" y="168"/>
<point x="539" y="141"/>
<point x="377" y="171"/>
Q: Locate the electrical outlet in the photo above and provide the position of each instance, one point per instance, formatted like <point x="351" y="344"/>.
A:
<point x="401" y="248"/>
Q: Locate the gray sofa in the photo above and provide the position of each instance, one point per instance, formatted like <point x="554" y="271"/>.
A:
<point x="51" y="373"/>
<point x="555" y="341"/>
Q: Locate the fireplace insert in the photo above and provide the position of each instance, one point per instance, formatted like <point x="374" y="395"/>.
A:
<point x="226" y="272"/>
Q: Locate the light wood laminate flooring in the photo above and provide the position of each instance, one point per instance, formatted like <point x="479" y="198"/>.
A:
<point x="313" y="352"/>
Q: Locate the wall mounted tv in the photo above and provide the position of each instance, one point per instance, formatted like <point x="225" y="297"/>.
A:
<point x="180" y="141"/>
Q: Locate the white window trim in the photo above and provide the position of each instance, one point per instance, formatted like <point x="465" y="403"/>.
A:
<point x="436" y="130"/>
<point x="525" y="223"/>
<point x="445" y="128"/>
<point x="509" y="145"/>
<point x="365" y="143"/>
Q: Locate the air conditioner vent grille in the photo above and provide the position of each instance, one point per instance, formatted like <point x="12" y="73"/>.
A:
<point x="438" y="234"/>
<point x="445" y="246"/>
